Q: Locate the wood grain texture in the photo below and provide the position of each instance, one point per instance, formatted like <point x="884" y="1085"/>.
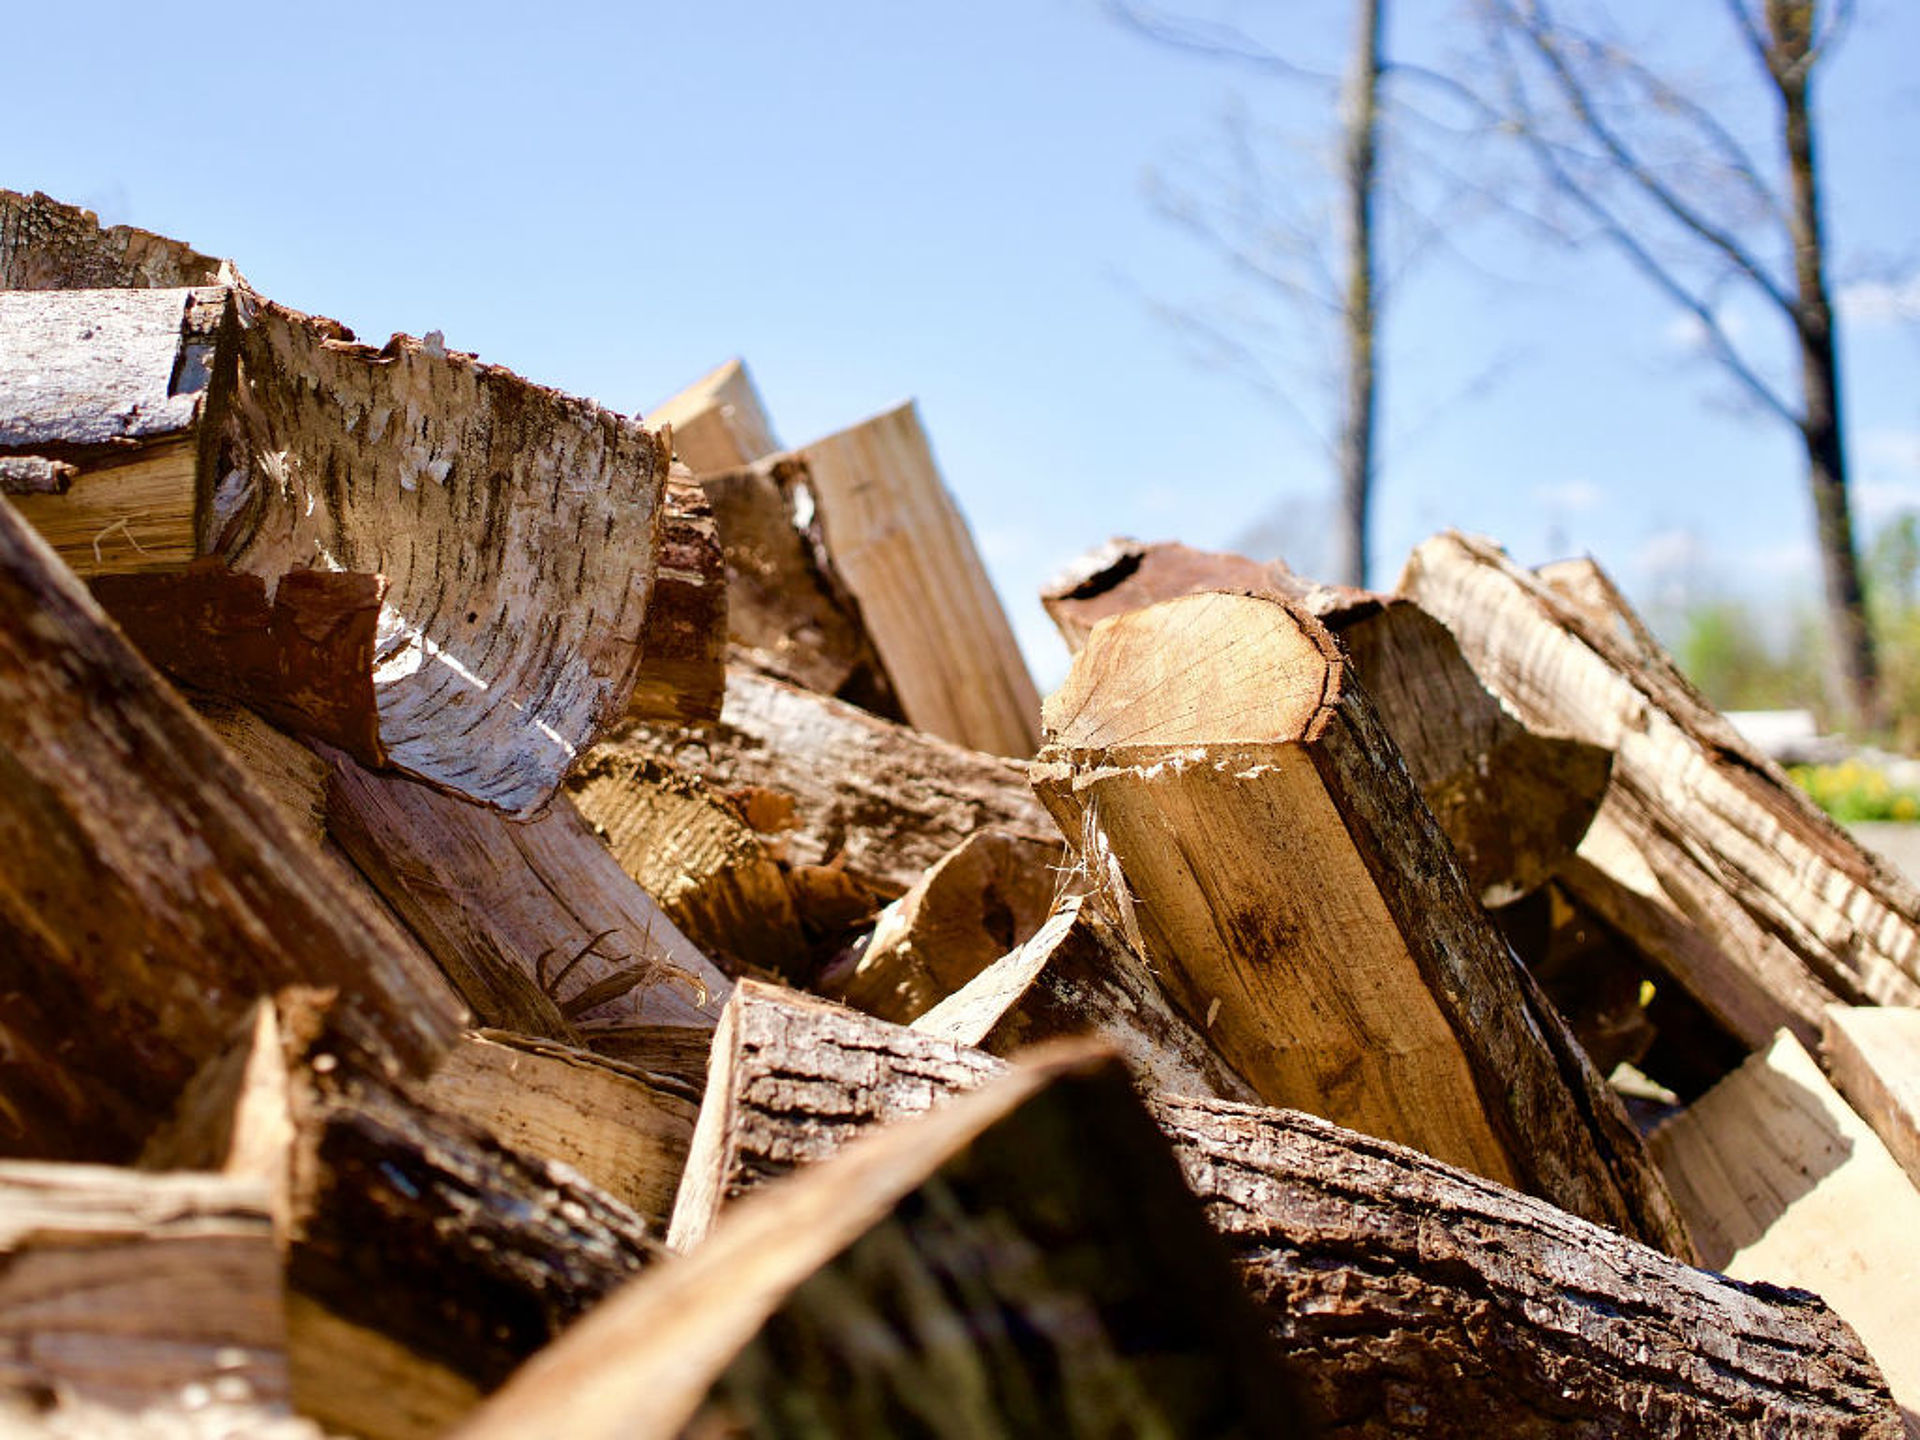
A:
<point x="1873" y="1054"/>
<point x="981" y="899"/>
<point x="1237" y="801"/>
<point x="1782" y="1182"/>
<point x="1077" y="976"/>
<point x="837" y="785"/>
<point x="718" y="421"/>
<point x="149" y="889"/>
<point x="972" y="1273"/>
<point x="534" y="923"/>
<point x="899" y="540"/>
<point x="48" y="245"/>
<point x="1407" y="1297"/>
<point x="125" y="1289"/>
<point x="1803" y="915"/>
<point x="626" y="1130"/>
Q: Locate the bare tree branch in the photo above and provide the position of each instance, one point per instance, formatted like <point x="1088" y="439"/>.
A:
<point x="1220" y="42"/>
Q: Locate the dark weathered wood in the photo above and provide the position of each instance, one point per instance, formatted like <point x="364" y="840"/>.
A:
<point x="149" y="890"/>
<point x="126" y="1289"/>
<point x="786" y="602"/>
<point x="535" y="924"/>
<point x="1790" y="913"/>
<point x="1407" y="1296"/>
<point x="1513" y="802"/>
<point x="47" y="245"/>
<point x="836" y="785"/>
<point x="1078" y="976"/>
<point x="1235" y="796"/>
<point x="683" y="665"/>
<point x="303" y="660"/>
<point x="972" y="1273"/>
<point x="983" y="898"/>
<point x="410" y="1233"/>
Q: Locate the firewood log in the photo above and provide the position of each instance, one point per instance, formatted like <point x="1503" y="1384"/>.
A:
<point x="428" y="1259"/>
<point x="1873" y="1054"/>
<point x="1406" y="1296"/>
<point x="1234" y="795"/>
<point x="835" y="785"/>
<point x="718" y="422"/>
<point x="976" y="1272"/>
<point x="1790" y="913"/>
<point x="535" y="924"/>
<point x="1514" y="802"/>
<point x="986" y="896"/>
<point x="895" y="534"/>
<point x="515" y="528"/>
<point x="1781" y="1182"/>
<point x="683" y="640"/>
<point x="1078" y="976"/>
<point x="47" y="245"/>
<point x="150" y="890"/>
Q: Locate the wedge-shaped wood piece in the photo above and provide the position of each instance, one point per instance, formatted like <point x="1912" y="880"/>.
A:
<point x="535" y="924"/>
<point x="692" y="849"/>
<point x="786" y="602"/>
<point x="1873" y="1054"/>
<point x="978" y="1271"/>
<point x="1782" y="1182"/>
<point x="126" y="1290"/>
<point x="48" y="245"/>
<point x="1232" y="791"/>
<point x="718" y="421"/>
<point x="1077" y="976"/>
<point x="836" y="785"/>
<point x="683" y="667"/>
<point x="149" y="890"/>
<point x="1406" y="1296"/>
<point x="428" y="1258"/>
<point x="1798" y="913"/>
<point x="983" y="898"/>
<point x="623" y="1128"/>
<point x="515" y="527"/>
<point x="1513" y="802"/>
<point x="898" y="538"/>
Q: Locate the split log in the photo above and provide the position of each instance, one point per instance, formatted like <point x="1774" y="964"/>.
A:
<point x="1782" y="1182"/>
<point x="149" y="890"/>
<point x="683" y="643"/>
<point x="975" y="1272"/>
<point x="835" y="785"/>
<point x="1513" y="802"/>
<point x="46" y="245"/>
<point x="983" y="898"/>
<point x="718" y="422"/>
<point x="1233" y="793"/>
<point x="535" y="924"/>
<point x="127" y="1290"/>
<point x="1406" y="1296"/>
<point x="1077" y="976"/>
<point x="624" y="1129"/>
<point x="1798" y="913"/>
<point x="898" y="538"/>
<point x="786" y="603"/>
<point x="1873" y="1055"/>
<point x="288" y="771"/>
<point x="428" y="1258"/>
<point x="693" y="851"/>
<point x="515" y="527"/>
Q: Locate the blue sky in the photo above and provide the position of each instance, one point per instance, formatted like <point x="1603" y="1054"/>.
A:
<point x="874" y="200"/>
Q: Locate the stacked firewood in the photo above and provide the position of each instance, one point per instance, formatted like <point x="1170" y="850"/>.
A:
<point x="519" y="920"/>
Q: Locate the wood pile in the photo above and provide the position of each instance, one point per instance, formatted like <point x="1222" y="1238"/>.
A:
<point x="519" y="919"/>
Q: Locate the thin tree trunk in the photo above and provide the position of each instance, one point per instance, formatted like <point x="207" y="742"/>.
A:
<point x="1360" y="154"/>
<point x="1791" y="56"/>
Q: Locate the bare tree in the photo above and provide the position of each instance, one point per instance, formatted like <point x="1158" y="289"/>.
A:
<point x="1332" y="267"/>
<point x="1662" y="173"/>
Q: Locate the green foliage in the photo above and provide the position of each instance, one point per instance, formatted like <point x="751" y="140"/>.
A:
<point x="1893" y="606"/>
<point x="1852" y="791"/>
<point x="1722" y="649"/>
